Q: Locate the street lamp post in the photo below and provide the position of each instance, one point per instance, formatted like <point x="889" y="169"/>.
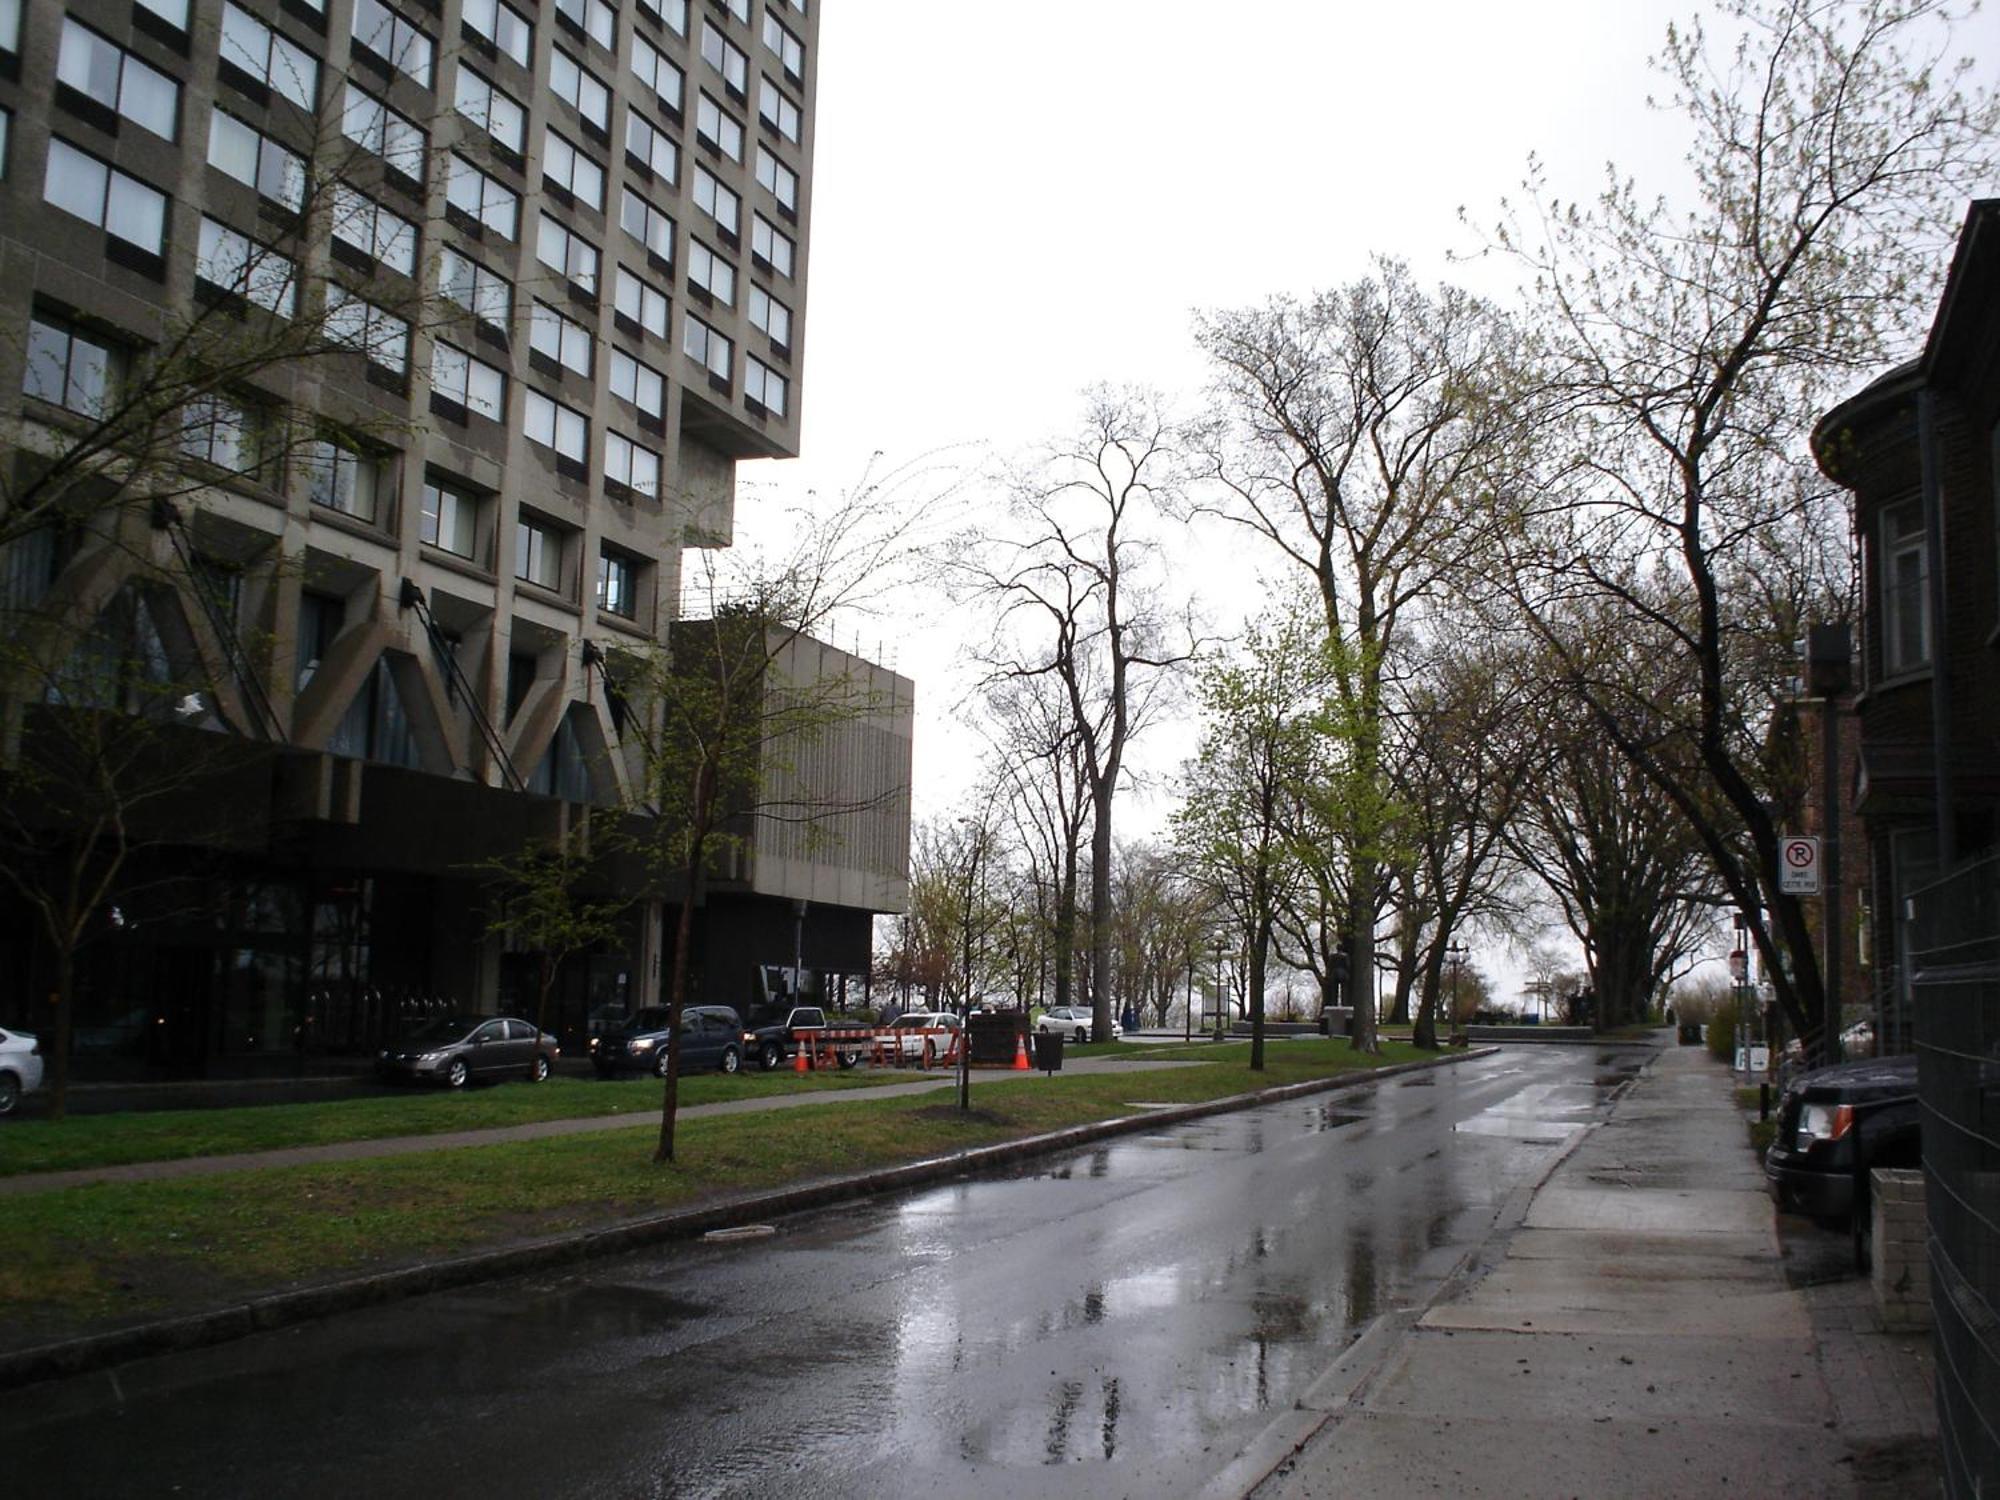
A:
<point x="1221" y="1003"/>
<point x="1187" y="1010"/>
<point x="1456" y="953"/>
<point x="965" y="993"/>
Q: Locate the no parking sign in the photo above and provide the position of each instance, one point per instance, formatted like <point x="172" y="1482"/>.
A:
<point x="1798" y="866"/>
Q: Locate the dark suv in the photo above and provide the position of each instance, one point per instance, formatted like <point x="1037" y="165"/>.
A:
<point x="1835" y="1125"/>
<point x="711" y="1037"/>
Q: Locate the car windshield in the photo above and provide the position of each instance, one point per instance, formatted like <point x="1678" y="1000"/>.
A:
<point x="649" y="1018"/>
<point x="443" y="1029"/>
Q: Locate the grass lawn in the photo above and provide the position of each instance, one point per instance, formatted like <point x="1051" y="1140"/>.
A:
<point x="168" y="1134"/>
<point x="76" y="1257"/>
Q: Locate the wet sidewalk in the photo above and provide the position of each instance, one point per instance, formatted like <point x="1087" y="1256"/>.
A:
<point x="1642" y="1330"/>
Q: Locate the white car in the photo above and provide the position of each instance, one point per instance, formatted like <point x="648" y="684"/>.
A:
<point x="20" y="1067"/>
<point x="926" y="1034"/>
<point x="1074" y="1022"/>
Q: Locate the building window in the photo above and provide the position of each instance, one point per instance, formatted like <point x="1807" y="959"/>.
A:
<point x="220" y="431"/>
<point x="788" y="49"/>
<point x="719" y="128"/>
<point x="631" y="464"/>
<point x="617" y="576"/>
<point x="473" y="384"/>
<point x="711" y="273"/>
<point x="256" y="161"/>
<point x="10" y="25"/>
<point x="70" y="369"/>
<point x="651" y="68"/>
<point x="101" y="70"/>
<point x="450" y="519"/>
<point x="379" y="335"/>
<point x="538" y="550"/>
<point x="771" y="317"/>
<point x="763" y="385"/>
<point x="739" y="9"/>
<point x="237" y="265"/>
<point x="369" y="229"/>
<point x="593" y="18"/>
<point x="651" y="147"/>
<point x="706" y="347"/>
<point x="726" y="58"/>
<point x="272" y="60"/>
<point x="574" y="84"/>
<point x="717" y="201"/>
<point x="557" y="338"/>
<point x="373" y="126"/>
<point x="402" y="44"/>
<point x="770" y="245"/>
<point x="493" y="110"/>
<point x="775" y="110"/>
<point x="555" y="426"/>
<point x="569" y="169"/>
<point x="777" y="179"/>
<point x="642" y="303"/>
<point x="570" y="254"/>
<point x="673" y="14"/>
<point x="639" y="383"/>
<point x="482" y="198"/>
<point x="505" y="27"/>
<point x="173" y="12"/>
<point x="483" y="293"/>
<point x="1906" y="620"/>
<point x="124" y="207"/>
<point x="338" y="478"/>
<point x="648" y="225"/>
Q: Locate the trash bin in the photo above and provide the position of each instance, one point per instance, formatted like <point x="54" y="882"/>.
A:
<point x="1048" y="1051"/>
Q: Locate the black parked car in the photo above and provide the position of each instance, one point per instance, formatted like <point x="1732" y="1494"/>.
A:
<point x="454" y="1050"/>
<point x="711" y="1037"/>
<point x="1835" y="1125"/>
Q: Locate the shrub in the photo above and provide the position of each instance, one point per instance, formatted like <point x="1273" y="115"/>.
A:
<point x="1722" y="1035"/>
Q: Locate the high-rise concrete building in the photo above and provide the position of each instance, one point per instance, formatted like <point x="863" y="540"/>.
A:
<point x="372" y="363"/>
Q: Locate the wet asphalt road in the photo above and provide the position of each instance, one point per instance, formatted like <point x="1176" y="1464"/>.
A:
<point x="1116" y="1321"/>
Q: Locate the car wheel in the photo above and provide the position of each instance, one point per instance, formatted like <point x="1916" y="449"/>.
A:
<point x="540" y="1071"/>
<point x="660" y="1063"/>
<point x="849" y="1060"/>
<point x="1082" y="1036"/>
<point x="10" y="1093"/>
<point x="769" y="1056"/>
<point x="732" y="1060"/>
<point x="457" y="1075"/>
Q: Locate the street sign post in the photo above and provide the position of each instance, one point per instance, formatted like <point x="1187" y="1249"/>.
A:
<point x="1798" y="866"/>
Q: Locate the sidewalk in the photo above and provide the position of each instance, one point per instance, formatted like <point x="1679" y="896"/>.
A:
<point x="1635" y="1333"/>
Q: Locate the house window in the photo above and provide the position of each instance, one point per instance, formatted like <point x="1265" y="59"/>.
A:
<point x="482" y="198"/>
<point x="502" y="25"/>
<point x="771" y="317"/>
<point x="569" y="169"/>
<point x="593" y="18"/>
<point x="101" y="70"/>
<point x="616" y="594"/>
<point x="492" y="109"/>
<point x="571" y="254"/>
<point x="1906" y="626"/>
<point x="638" y="383"/>
<point x="642" y="303"/>
<point x="471" y="383"/>
<point x="717" y="201"/>
<point x="777" y="179"/>
<point x="574" y="84"/>
<point x="560" y="339"/>
<point x="366" y="227"/>
<point x="770" y="245"/>
<point x="556" y="427"/>
<point x="124" y="207"/>
<point x="373" y="126"/>
<point x="788" y="49"/>
<point x="450" y="519"/>
<point x="272" y="60"/>
<point x="719" y="128"/>
<point x="338" y="478"/>
<point x="651" y="147"/>
<point x="69" y="369"/>
<point x="538" y="550"/>
<point x="648" y="225"/>
<point x="220" y="431"/>
<point x="631" y="464"/>
<point x="483" y="293"/>
<point x="726" y="58"/>
<point x="763" y="385"/>
<point x="775" y="110"/>
<point x="235" y="264"/>
<point x="256" y="161"/>
<point x="377" y="334"/>
<point x="402" y="44"/>
<point x="651" y="68"/>
<point x="706" y="347"/>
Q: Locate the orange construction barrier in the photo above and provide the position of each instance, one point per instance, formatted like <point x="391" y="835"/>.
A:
<point x="1020" y="1053"/>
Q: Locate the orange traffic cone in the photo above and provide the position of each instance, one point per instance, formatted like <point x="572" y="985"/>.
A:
<point x="1020" y="1053"/>
<point x="799" y="1063"/>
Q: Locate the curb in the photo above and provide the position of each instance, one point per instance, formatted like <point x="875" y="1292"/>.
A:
<point x="79" y="1356"/>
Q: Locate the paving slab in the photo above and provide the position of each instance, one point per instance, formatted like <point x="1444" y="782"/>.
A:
<point x="1652" y="1210"/>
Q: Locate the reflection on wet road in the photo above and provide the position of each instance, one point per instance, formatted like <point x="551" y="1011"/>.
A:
<point x="1117" y="1321"/>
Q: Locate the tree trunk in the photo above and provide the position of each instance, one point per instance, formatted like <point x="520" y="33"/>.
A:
<point x="670" y="1099"/>
<point x="65" y="1010"/>
<point x="1363" y="977"/>
<point x="1100" y="913"/>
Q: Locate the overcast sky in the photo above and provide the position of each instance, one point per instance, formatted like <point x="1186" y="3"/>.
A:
<point x="1014" y="201"/>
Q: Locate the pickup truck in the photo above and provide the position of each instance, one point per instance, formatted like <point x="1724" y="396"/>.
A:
<point x="773" y="1037"/>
